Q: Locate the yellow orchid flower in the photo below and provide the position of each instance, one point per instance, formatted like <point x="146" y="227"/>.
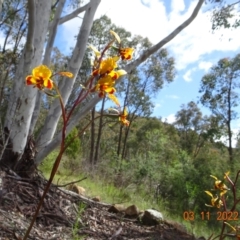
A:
<point x="105" y="84"/>
<point x="219" y="184"/>
<point x="215" y="202"/>
<point x="40" y="77"/>
<point x="123" y="117"/>
<point x="126" y="53"/>
<point x="116" y="74"/>
<point x="106" y="66"/>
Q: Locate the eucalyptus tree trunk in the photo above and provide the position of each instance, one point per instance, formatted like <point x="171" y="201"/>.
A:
<point x="22" y="99"/>
<point x="47" y="58"/>
<point x="121" y="127"/>
<point x="99" y="134"/>
<point x="66" y="84"/>
<point x="46" y="138"/>
<point x="24" y="102"/>
<point x="1" y="3"/>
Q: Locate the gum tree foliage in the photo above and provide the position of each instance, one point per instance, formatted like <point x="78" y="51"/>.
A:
<point x="141" y="87"/>
<point x="13" y="27"/>
<point x="137" y="88"/>
<point x="74" y="148"/>
<point x="24" y="103"/>
<point x="188" y="122"/>
<point x="225" y="14"/>
<point x="194" y="129"/>
<point x="220" y="93"/>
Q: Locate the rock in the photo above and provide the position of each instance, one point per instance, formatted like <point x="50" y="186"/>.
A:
<point x="77" y="189"/>
<point x="151" y="217"/>
<point x="132" y="211"/>
<point x="116" y="208"/>
<point x="97" y="199"/>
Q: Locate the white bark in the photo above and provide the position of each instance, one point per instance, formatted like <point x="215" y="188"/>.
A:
<point x="85" y="110"/>
<point x="22" y="100"/>
<point x="47" y="59"/>
<point x="53" y="32"/>
<point x="66" y="85"/>
<point x="74" y="14"/>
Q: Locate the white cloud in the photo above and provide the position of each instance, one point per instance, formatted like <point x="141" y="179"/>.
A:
<point x="205" y="65"/>
<point x="170" y="118"/>
<point x="157" y="105"/>
<point x="150" y="19"/>
<point x="187" y="75"/>
<point x="146" y="3"/>
<point x="173" y="96"/>
<point x="177" y="6"/>
<point x="197" y="40"/>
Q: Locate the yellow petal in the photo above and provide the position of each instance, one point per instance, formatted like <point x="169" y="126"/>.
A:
<point x="126" y="53"/>
<point x="30" y="80"/>
<point x="209" y="193"/>
<point x="42" y="71"/>
<point x="66" y="74"/>
<point x="226" y="174"/>
<point x="110" y="90"/>
<point x="233" y="228"/>
<point x="106" y="80"/>
<point x="114" y="99"/>
<point x="222" y="192"/>
<point x="108" y="65"/>
<point x="116" y="36"/>
<point x="48" y="84"/>
<point x="208" y="205"/>
<point x="116" y="58"/>
<point x="125" y="113"/>
<point x="121" y="72"/>
<point x="214" y="177"/>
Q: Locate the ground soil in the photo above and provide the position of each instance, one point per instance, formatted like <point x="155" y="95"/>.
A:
<point x="61" y="218"/>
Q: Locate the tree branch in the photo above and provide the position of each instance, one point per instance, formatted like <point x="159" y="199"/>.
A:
<point x="31" y="23"/>
<point x="85" y="109"/>
<point x="53" y="32"/>
<point x="167" y="39"/>
<point x="73" y="14"/>
<point x="55" y="4"/>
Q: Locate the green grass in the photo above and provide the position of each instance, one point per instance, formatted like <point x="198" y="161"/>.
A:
<point x="132" y="194"/>
<point x="77" y="223"/>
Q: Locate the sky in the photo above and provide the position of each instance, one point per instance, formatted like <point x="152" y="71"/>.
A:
<point x="195" y="50"/>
